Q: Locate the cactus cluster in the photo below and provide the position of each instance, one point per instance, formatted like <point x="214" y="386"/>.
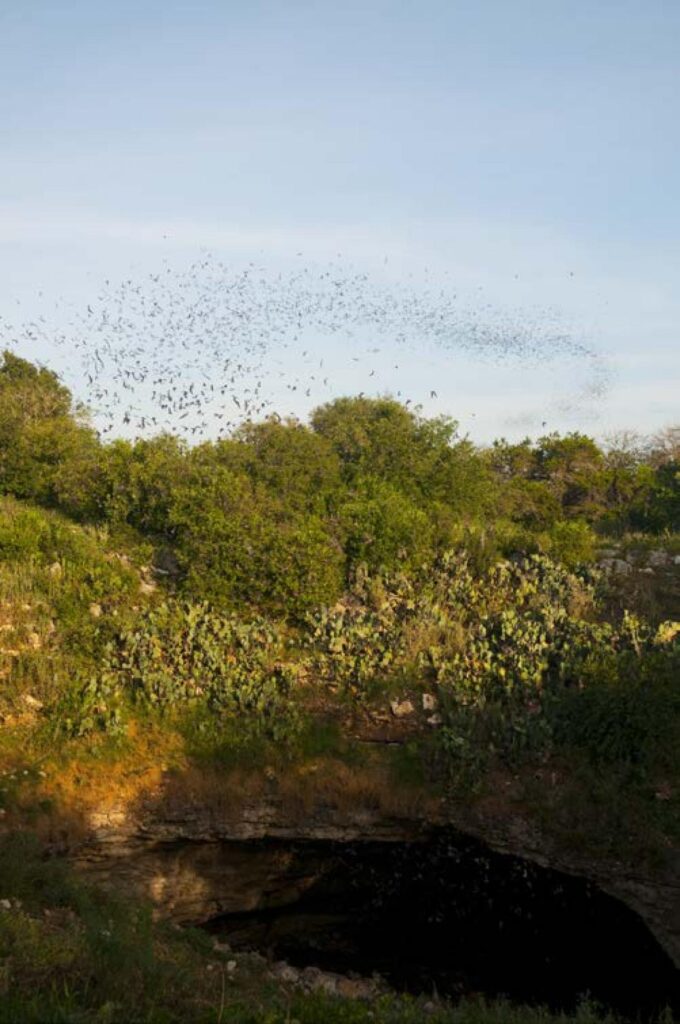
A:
<point x="501" y="651"/>
<point x="186" y="654"/>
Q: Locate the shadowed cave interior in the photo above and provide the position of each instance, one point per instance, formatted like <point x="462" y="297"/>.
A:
<point x="448" y="915"/>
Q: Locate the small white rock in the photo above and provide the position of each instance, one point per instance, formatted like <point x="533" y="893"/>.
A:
<point x="400" y="709"/>
<point x="31" y="701"/>
<point x="284" y="972"/>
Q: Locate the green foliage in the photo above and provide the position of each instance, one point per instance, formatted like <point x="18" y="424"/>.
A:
<point x="280" y="515"/>
<point x="371" y="554"/>
<point x="382" y="528"/>
<point x="572" y="543"/>
<point x="185" y="654"/>
<point x="52" y="574"/>
<point x="515" y="655"/>
<point x="424" y="459"/>
<point x="70" y="953"/>
<point x="359" y="641"/>
<point x="626" y="709"/>
<point x="138" y="483"/>
<point x="573" y="467"/>
<point x="464" y="569"/>
<point x="657" y="507"/>
<point x="238" y="546"/>
<point x="287" y="459"/>
<point x="492" y="634"/>
<point x="46" y="449"/>
<point x="372" y="437"/>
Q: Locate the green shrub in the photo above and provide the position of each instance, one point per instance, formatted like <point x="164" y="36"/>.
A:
<point x="358" y="642"/>
<point x="572" y="542"/>
<point x="184" y="655"/>
<point x="383" y="529"/>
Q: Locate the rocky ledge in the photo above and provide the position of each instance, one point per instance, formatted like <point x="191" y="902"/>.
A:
<point x="197" y="861"/>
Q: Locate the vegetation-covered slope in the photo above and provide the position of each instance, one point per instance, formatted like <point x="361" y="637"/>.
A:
<point x="256" y="604"/>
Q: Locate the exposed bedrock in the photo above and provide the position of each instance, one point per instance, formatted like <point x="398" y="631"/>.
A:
<point x="196" y="861"/>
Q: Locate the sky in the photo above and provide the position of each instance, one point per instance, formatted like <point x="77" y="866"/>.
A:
<point x="523" y="154"/>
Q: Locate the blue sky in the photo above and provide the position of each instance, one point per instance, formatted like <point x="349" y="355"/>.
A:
<point x="527" y="152"/>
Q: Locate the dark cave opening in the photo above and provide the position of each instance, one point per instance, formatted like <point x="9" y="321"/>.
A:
<point x="450" y="915"/>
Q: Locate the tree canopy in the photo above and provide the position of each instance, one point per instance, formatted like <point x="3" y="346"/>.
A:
<point x="281" y="514"/>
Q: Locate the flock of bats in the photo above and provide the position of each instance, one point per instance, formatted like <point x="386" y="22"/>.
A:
<point x="199" y="351"/>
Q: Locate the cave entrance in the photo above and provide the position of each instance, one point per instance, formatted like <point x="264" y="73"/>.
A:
<point x="450" y="915"/>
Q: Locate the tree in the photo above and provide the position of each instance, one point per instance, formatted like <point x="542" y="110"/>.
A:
<point x="664" y="447"/>
<point x="140" y="480"/>
<point x="238" y="546"/>
<point x="380" y="439"/>
<point x="382" y="528"/>
<point x="47" y="450"/>
<point x="573" y="466"/>
<point x="300" y="467"/>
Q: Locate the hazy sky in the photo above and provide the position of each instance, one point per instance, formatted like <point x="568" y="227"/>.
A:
<point x="526" y="152"/>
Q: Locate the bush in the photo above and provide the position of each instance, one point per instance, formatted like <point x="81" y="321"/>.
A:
<point x="572" y="542"/>
<point x="383" y="529"/>
<point x="238" y="547"/>
<point x="626" y="709"/>
<point x="185" y="654"/>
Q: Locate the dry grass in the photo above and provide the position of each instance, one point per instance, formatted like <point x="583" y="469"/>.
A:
<point x="101" y="773"/>
<point x="348" y="789"/>
<point x="149" y="773"/>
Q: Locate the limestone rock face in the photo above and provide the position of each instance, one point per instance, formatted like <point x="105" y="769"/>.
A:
<point x="197" y="862"/>
<point x="200" y="862"/>
<point x="616" y="566"/>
